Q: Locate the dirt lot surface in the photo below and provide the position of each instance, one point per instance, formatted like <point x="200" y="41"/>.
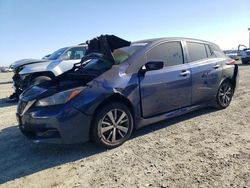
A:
<point x="206" y="148"/>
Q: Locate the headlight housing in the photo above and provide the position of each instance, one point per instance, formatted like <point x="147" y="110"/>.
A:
<point x="60" y="98"/>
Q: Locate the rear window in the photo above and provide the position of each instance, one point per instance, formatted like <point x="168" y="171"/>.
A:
<point x="196" y="51"/>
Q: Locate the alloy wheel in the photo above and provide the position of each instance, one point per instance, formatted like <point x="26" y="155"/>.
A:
<point x="225" y="94"/>
<point x="114" y="126"/>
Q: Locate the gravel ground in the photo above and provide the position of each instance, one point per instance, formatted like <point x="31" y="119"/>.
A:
<point x="206" y="148"/>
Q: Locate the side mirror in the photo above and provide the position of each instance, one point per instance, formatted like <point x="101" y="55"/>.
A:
<point x="154" y="65"/>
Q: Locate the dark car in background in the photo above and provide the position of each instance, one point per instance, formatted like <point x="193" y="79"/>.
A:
<point x="245" y="56"/>
<point x="120" y="86"/>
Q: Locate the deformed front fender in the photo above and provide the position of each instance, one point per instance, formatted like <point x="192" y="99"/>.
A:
<point x="100" y="90"/>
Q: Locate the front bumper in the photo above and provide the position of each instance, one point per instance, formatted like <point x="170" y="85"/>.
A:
<point x="61" y="124"/>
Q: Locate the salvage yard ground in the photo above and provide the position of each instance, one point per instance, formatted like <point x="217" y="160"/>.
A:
<point x="206" y="148"/>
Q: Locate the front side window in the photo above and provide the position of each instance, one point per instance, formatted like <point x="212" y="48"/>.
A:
<point x="170" y="53"/>
<point x="75" y="53"/>
<point x="196" y="51"/>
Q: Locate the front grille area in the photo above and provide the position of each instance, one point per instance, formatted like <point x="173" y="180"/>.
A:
<point x="21" y="106"/>
<point x="248" y="53"/>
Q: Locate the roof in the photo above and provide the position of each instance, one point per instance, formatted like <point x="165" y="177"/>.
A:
<point x="156" y="40"/>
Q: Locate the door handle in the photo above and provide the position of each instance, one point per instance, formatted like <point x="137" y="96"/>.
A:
<point x="185" y="73"/>
<point x="216" y="66"/>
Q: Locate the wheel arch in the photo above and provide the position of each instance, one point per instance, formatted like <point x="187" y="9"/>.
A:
<point x="116" y="97"/>
<point x="233" y="78"/>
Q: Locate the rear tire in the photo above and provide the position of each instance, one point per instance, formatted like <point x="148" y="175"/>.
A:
<point x="224" y="95"/>
<point x="112" y="125"/>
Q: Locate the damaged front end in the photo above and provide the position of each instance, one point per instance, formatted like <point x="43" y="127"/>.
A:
<point x="49" y="111"/>
<point x="20" y="82"/>
<point x="98" y="59"/>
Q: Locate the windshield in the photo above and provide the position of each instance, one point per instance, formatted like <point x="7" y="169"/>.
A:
<point x="55" y="55"/>
<point x="122" y="54"/>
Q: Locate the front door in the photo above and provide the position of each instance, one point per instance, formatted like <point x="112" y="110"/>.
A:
<point x="169" y="88"/>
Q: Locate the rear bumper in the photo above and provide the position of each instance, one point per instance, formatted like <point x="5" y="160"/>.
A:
<point x="55" y="124"/>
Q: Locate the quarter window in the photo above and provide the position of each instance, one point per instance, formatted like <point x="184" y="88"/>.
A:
<point x="216" y="51"/>
<point x="196" y="51"/>
<point x="170" y="53"/>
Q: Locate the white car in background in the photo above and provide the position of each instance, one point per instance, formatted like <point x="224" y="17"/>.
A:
<point x="34" y="71"/>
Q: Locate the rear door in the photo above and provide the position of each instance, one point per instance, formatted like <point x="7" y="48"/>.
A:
<point x="169" y="88"/>
<point x="206" y="71"/>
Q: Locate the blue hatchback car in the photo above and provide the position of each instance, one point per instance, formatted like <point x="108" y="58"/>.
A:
<point x="120" y="86"/>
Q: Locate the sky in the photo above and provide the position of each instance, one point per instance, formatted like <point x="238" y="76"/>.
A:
<point x="34" y="28"/>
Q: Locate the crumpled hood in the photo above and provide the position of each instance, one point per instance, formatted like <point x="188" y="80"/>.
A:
<point x="78" y="76"/>
<point x="49" y="88"/>
<point x="21" y="62"/>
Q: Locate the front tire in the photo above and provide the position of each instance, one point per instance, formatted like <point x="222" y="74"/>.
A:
<point x="112" y="125"/>
<point x="224" y="95"/>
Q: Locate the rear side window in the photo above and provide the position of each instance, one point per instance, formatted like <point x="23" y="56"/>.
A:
<point x="170" y="53"/>
<point x="196" y="51"/>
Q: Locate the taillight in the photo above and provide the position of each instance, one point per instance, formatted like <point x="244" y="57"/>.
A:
<point x="231" y="62"/>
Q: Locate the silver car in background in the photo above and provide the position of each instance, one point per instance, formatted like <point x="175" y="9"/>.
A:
<point x="34" y="71"/>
